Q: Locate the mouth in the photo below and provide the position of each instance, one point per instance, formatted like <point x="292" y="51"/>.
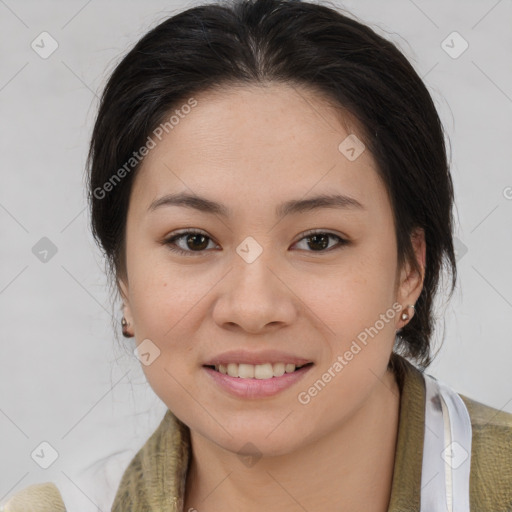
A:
<point x="265" y="371"/>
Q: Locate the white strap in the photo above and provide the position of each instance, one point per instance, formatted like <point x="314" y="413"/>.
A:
<point x="446" y="450"/>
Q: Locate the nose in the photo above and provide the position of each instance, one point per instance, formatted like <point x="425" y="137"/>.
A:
<point x="256" y="297"/>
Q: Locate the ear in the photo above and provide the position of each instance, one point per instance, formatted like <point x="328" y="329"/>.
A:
<point x="411" y="283"/>
<point x="122" y="286"/>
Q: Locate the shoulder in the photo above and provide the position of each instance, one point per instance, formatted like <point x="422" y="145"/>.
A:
<point x="491" y="456"/>
<point x="44" y="497"/>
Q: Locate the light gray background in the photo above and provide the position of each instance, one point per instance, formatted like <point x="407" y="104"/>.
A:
<point x="63" y="379"/>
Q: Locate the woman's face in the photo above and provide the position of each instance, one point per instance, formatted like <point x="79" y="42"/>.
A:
<point x="253" y="287"/>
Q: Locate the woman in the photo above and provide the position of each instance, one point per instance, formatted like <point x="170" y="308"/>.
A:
<point x="269" y="182"/>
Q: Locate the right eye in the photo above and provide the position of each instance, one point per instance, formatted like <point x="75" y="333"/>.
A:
<point x="193" y="238"/>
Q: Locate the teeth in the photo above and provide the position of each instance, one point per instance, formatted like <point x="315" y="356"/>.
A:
<point x="255" y="371"/>
<point x="246" y="371"/>
<point x="278" y="369"/>
<point x="233" y="370"/>
<point x="261" y="371"/>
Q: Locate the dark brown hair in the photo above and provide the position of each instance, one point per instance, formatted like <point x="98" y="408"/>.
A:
<point x="247" y="42"/>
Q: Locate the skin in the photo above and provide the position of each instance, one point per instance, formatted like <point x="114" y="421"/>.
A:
<point x="251" y="148"/>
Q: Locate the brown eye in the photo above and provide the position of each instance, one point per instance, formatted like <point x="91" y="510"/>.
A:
<point x="194" y="241"/>
<point x="318" y="241"/>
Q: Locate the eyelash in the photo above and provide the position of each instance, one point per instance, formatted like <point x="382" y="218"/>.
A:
<point x="169" y="242"/>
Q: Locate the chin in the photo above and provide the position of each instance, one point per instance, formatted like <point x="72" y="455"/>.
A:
<point x="265" y="441"/>
<point x="258" y="445"/>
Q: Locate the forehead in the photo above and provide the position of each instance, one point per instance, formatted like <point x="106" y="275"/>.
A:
<point x="247" y="143"/>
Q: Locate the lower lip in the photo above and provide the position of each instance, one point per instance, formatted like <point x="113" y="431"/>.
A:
<point x="257" y="388"/>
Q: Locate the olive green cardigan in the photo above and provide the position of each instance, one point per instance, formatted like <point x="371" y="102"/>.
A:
<point x="155" y="478"/>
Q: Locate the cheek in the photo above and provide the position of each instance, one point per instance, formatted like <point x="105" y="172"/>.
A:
<point x="353" y="291"/>
<point x="168" y="308"/>
<point x="161" y="307"/>
<point x="161" y="295"/>
<point x="355" y="304"/>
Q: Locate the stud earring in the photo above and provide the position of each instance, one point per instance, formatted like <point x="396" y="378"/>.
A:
<point x="405" y="316"/>
<point x="125" y="325"/>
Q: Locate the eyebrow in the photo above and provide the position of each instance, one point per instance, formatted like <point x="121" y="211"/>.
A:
<point x="293" y="206"/>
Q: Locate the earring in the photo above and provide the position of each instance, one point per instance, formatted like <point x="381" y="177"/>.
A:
<point x="405" y="316"/>
<point x="125" y="325"/>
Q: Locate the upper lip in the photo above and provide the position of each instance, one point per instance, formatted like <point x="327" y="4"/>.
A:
<point x="262" y="357"/>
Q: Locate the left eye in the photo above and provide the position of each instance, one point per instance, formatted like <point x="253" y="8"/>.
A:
<point x="198" y="240"/>
<point x="321" y="238"/>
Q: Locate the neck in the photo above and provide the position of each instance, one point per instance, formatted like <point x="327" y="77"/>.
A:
<point x="348" y="469"/>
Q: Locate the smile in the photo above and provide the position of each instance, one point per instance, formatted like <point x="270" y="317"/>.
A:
<point x="256" y="381"/>
<point x="256" y="371"/>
